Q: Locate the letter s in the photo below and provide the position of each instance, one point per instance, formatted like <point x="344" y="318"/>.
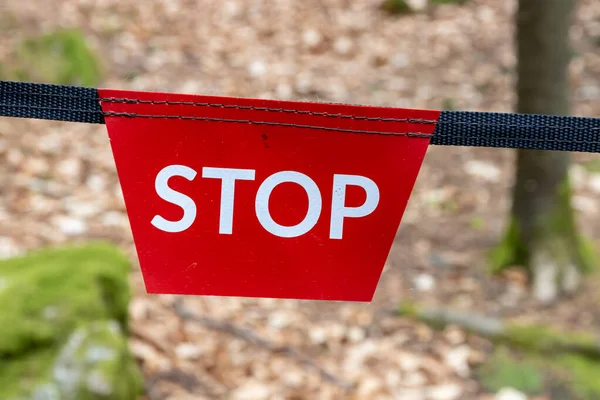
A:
<point x="172" y="196"/>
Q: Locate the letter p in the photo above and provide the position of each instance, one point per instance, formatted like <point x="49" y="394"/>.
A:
<point x="339" y="211"/>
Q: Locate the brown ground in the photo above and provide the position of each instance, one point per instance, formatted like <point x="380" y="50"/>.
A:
<point x="58" y="184"/>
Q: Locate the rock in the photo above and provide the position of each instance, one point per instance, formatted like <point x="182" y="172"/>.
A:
<point x="357" y="355"/>
<point x="82" y="209"/>
<point x="284" y="91"/>
<point x="343" y="45"/>
<point x="257" y="68"/>
<point x="251" y="391"/>
<point x="454" y="335"/>
<point x="304" y="82"/>
<point x="594" y="183"/>
<point x="458" y="359"/>
<point x="64" y="336"/>
<point x="70" y="169"/>
<point x="188" y="351"/>
<point x="448" y="391"/>
<point x="71" y="226"/>
<point x="414" y="379"/>
<point x="35" y="166"/>
<point x="96" y="183"/>
<point x="484" y="170"/>
<point x="424" y="282"/>
<point x="393" y="378"/>
<point x="312" y="38"/>
<point x="577" y="176"/>
<point x="408" y="362"/>
<point x="417" y="5"/>
<point x="14" y="157"/>
<point x="318" y="335"/>
<point x="510" y="394"/>
<point x="356" y="334"/>
<point x="409" y="394"/>
<point x="368" y="386"/>
<point x="584" y="204"/>
<point x="280" y="319"/>
<point x="589" y="92"/>
<point x="400" y="60"/>
<point x="8" y="248"/>
<point x="292" y="378"/>
<point x="115" y="218"/>
<point x="95" y="362"/>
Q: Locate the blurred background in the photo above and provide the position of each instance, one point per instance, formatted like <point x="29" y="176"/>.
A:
<point x="465" y="309"/>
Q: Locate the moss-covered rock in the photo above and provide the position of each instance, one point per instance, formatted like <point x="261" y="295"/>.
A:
<point x="564" y="375"/>
<point x="64" y="325"/>
<point x="503" y="370"/>
<point x="62" y="56"/>
<point x="396" y="6"/>
<point x="407" y="6"/>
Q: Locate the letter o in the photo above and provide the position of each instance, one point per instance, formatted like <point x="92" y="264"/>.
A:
<point x="314" y="204"/>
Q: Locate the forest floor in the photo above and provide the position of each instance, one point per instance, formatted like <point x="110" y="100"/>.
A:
<point x="58" y="184"/>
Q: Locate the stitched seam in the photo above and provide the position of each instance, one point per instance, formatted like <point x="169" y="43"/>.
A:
<point x="268" y="109"/>
<point x="434" y="137"/>
<point x="495" y="140"/>
<point x="49" y="108"/>
<point x="477" y="124"/>
<point x="64" y="96"/>
<point x="233" y="106"/>
<point x="268" y="123"/>
<point x="415" y="134"/>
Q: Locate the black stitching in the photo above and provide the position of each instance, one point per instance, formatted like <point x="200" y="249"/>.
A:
<point x="409" y="134"/>
<point x="269" y="123"/>
<point x="233" y="106"/>
<point x="269" y="109"/>
<point x="49" y="108"/>
<point x="477" y="124"/>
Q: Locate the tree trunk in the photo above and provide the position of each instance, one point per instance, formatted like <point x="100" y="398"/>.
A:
<point x="542" y="235"/>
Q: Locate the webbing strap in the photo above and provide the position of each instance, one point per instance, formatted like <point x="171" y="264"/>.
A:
<point x="53" y="102"/>
<point x="454" y="128"/>
<point x="517" y="131"/>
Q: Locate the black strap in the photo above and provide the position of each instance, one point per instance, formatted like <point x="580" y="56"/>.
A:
<point x="53" y="102"/>
<point x="455" y="128"/>
<point x="517" y="131"/>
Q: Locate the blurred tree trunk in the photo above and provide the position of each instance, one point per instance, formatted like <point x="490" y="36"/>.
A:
<point x="542" y="234"/>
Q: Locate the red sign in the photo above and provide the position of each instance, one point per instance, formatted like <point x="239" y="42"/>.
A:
<point x="262" y="198"/>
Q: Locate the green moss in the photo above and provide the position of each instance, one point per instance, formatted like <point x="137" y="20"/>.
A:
<point x="408" y="309"/>
<point x="588" y="254"/>
<point x="8" y="21"/>
<point x="577" y="246"/>
<point x="402" y="7"/>
<point x="21" y="375"/>
<point x="580" y="375"/>
<point x="114" y="368"/>
<point x="61" y="57"/>
<point x="51" y="291"/>
<point x="68" y="313"/>
<point x="449" y="104"/>
<point x="396" y="7"/>
<point x="575" y="375"/>
<point x="478" y="223"/>
<point x="448" y="1"/>
<point x="543" y="339"/>
<point x="95" y="358"/>
<point x="558" y="233"/>
<point x="510" y="251"/>
<point x="592" y="165"/>
<point x="503" y="369"/>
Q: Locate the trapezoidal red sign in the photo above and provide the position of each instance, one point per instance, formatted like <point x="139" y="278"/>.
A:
<point x="262" y="198"/>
